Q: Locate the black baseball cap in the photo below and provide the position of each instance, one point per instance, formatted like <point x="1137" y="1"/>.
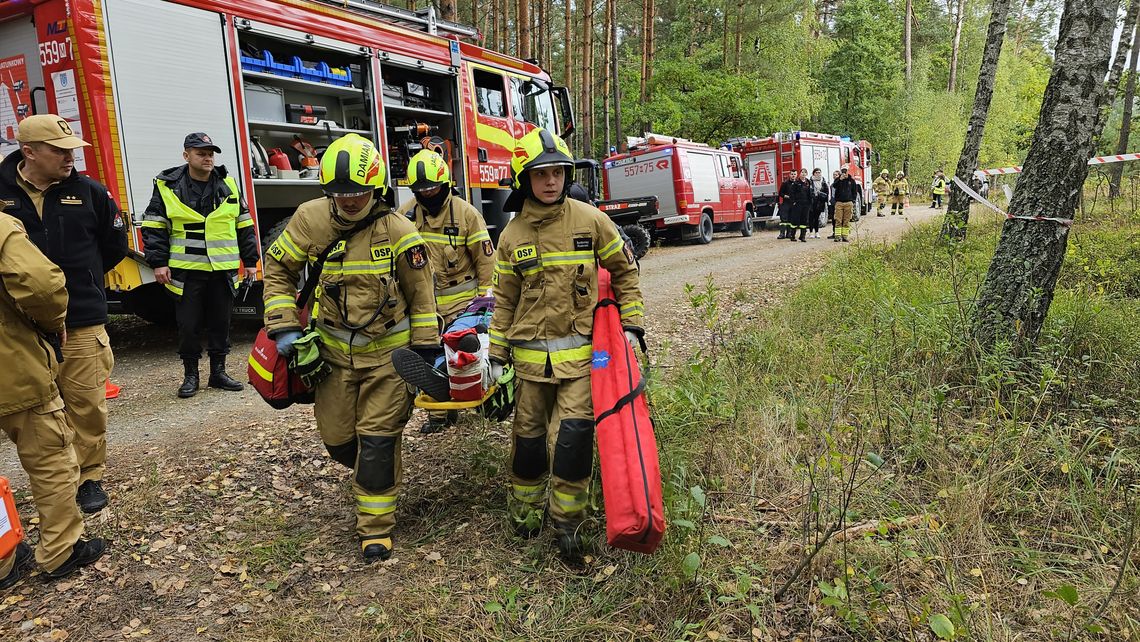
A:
<point x="200" y="141"/>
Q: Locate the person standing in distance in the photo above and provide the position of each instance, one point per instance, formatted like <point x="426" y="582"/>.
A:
<point x="77" y="225"/>
<point x="546" y="288"/>
<point x="33" y="306"/>
<point x="197" y="233"/>
<point x="845" y="190"/>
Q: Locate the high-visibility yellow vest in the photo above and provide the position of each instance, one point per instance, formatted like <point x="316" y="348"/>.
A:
<point x="207" y="243"/>
<point x="939" y="186"/>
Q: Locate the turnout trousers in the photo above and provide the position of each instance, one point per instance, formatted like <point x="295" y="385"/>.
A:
<point x="87" y="364"/>
<point x="540" y="404"/>
<point x="361" y="414"/>
<point x="43" y="441"/>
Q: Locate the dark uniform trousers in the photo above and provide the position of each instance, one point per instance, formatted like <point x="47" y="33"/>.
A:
<point x="207" y="300"/>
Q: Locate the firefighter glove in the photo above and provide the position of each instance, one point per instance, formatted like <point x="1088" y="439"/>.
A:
<point x="496" y="370"/>
<point x="306" y="360"/>
<point x="285" y="342"/>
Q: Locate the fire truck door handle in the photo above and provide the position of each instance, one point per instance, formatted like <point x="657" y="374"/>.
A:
<point x="482" y="155"/>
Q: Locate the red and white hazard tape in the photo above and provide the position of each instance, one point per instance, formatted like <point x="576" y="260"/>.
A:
<point x="981" y="199"/>
<point x="1096" y="160"/>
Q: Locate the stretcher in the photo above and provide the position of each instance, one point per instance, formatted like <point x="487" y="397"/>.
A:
<point x="425" y="401"/>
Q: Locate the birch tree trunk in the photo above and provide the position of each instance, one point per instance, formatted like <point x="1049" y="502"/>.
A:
<point x="958" y="211"/>
<point x="908" y="19"/>
<point x="1113" y="82"/>
<point x="1116" y="170"/>
<point x="1019" y="285"/>
<point x="955" y="45"/>
<point x="612" y="7"/>
<point x="588" y="76"/>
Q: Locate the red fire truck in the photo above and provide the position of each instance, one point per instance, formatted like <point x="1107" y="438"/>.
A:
<point x="272" y="82"/>
<point x="768" y="161"/>
<point x="699" y="189"/>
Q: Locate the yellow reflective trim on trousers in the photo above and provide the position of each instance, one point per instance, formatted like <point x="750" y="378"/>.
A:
<point x="265" y="374"/>
<point x="386" y="341"/>
<point x="572" y="503"/>
<point x="424" y="321"/>
<point x="611" y="248"/>
<point x="528" y="494"/>
<point x="278" y="302"/>
<point x="376" y="504"/>
<point x="526" y="355"/>
<point x="406" y="242"/>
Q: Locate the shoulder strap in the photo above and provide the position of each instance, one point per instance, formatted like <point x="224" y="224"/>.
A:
<point x="316" y="268"/>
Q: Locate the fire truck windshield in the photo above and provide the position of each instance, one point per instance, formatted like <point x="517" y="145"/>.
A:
<point x="533" y="100"/>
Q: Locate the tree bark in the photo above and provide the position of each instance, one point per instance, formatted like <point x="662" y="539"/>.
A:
<point x="739" y="35"/>
<point x="955" y="46"/>
<point x="447" y="10"/>
<point x="908" y="19"/>
<point x="614" y="73"/>
<point x="475" y="16"/>
<point x="651" y="49"/>
<point x="568" y="45"/>
<point x="588" y="77"/>
<point x="607" y="53"/>
<point x="1108" y="98"/>
<point x="1021" y="279"/>
<point x="958" y="211"/>
<point x="644" y="82"/>
<point x="522" y="29"/>
<point x="1116" y="170"/>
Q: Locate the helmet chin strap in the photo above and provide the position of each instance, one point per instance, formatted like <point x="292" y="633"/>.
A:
<point x="347" y="220"/>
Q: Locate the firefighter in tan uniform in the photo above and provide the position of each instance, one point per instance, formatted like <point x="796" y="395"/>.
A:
<point x="899" y="188"/>
<point x="375" y="295"/>
<point x="882" y="187"/>
<point x="33" y="306"/>
<point x="459" y="247"/>
<point x="546" y="287"/>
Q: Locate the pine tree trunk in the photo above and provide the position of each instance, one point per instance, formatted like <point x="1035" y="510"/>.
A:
<point x="588" y="77"/>
<point x="568" y="45"/>
<point x="958" y="210"/>
<point x="1019" y="285"/>
<point x="1116" y="170"/>
<point x="644" y="81"/>
<point x="908" y="18"/>
<point x="955" y="45"/>
<point x="607" y="53"/>
<point x="522" y="28"/>
<point x="475" y="16"/>
<point x="614" y="73"/>
<point x="1113" y="83"/>
<point x="649" y="52"/>
<point x="447" y="10"/>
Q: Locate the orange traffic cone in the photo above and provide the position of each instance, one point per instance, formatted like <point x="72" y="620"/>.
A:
<point x="112" y="390"/>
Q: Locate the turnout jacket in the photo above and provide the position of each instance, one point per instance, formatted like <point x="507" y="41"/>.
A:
<point x="219" y="192"/>
<point x="546" y="288"/>
<point x="374" y="294"/>
<point x="81" y="231"/>
<point x="459" y="247"/>
<point x="899" y="188"/>
<point x="33" y="304"/>
<point x="882" y="187"/>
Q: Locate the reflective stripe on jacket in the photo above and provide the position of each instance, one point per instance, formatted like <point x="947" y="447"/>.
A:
<point x="206" y="243"/>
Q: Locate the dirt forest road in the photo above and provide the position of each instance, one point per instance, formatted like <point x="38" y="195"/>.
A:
<point x="148" y="414"/>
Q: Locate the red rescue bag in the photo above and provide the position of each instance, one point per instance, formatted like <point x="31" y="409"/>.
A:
<point x="270" y="376"/>
<point x="627" y="449"/>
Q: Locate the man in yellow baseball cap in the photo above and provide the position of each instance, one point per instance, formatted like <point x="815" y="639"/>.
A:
<point x="74" y="221"/>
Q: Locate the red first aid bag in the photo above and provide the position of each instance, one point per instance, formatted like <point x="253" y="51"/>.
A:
<point x="627" y="448"/>
<point x="270" y="376"/>
<point x="10" y="530"/>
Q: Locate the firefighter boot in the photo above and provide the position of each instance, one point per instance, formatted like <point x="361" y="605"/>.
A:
<point x="803" y="235"/>
<point x="376" y="549"/>
<point x="218" y="376"/>
<point x="783" y="232"/>
<point x="570" y="544"/>
<point x="189" y="386"/>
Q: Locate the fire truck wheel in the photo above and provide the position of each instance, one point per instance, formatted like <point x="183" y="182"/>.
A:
<point x="639" y="240"/>
<point x="270" y="236"/>
<point x="746" y="225"/>
<point x="705" y="229"/>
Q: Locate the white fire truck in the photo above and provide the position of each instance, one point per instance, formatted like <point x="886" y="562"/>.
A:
<point x="272" y="82"/>
<point x="769" y="161"/>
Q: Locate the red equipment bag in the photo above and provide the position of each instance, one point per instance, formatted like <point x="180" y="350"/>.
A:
<point x="627" y="449"/>
<point x="10" y="531"/>
<point x="270" y="376"/>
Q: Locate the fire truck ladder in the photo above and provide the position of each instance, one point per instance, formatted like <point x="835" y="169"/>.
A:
<point x="422" y="19"/>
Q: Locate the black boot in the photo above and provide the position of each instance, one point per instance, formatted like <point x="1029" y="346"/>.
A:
<point x="803" y="235"/>
<point x="218" y="376"/>
<point x="189" y="386"/>
<point x="783" y="233"/>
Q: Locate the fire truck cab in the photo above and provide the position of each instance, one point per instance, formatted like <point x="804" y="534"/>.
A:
<point x="273" y="82"/>
<point x="699" y="189"/>
<point x="769" y="161"/>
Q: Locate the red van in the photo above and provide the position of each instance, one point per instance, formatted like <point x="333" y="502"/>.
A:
<point x="699" y="189"/>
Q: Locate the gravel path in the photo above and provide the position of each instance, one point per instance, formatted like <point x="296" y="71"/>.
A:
<point x="148" y="414"/>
